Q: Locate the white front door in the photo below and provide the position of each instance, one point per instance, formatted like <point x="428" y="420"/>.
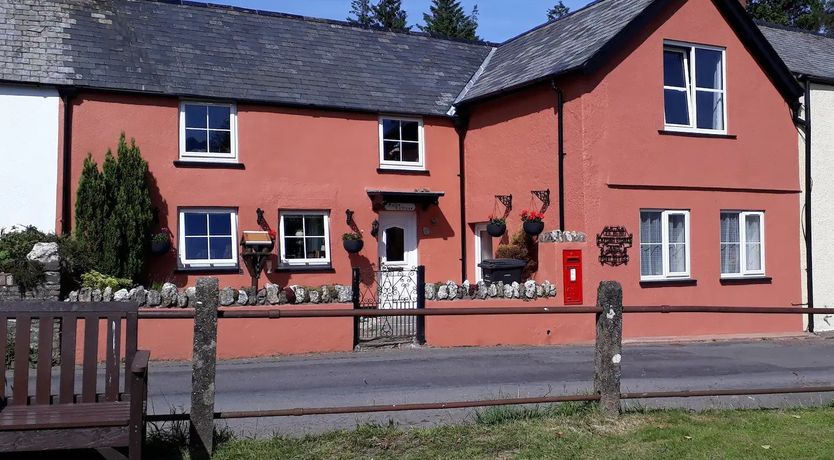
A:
<point x="483" y="248"/>
<point x="397" y="260"/>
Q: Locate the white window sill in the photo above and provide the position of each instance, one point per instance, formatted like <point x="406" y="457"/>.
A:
<point x="678" y="131"/>
<point x="401" y="167"/>
<point x="208" y="163"/>
<point x="686" y="281"/>
<point x="201" y="267"/>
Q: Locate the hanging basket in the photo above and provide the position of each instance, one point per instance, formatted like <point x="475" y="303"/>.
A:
<point x="353" y="246"/>
<point x="496" y="230"/>
<point x="160" y="247"/>
<point x="533" y="228"/>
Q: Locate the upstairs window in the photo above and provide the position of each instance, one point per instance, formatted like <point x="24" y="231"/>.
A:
<point x="401" y="143"/>
<point x="208" y="132"/>
<point x="664" y="244"/>
<point x="742" y="244"/>
<point x="207" y="238"/>
<point x="305" y="238"/>
<point x="694" y="88"/>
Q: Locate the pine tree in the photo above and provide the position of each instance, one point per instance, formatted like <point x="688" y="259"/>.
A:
<point x="813" y="15"/>
<point x="108" y="260"/>
<point x="134" y="210"/>
<point x="447" y="19"/>
<point x="361" y="13"/>
<point x="90" y="217"/>
<point x="558" y="11"/>
<point x="390" y="15"/>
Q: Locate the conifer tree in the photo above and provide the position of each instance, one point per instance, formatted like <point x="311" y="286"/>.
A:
<point x="446" y="18"/>
<point x="558" y="11"/>
<point x="361" y="13"/>
<point x="90" y="201"/>
<point x="133" y="210"/>
<point x="390" y="15"/>
<point x="812" y="15"/>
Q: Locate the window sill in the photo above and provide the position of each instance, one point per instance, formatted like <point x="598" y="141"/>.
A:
<point x="230" y="270"/>
<point x="674" y="132"/>
<point x="208" y="164"/>
<point x="730" y="281"/>
<point x="672" y="282"/>
<point x="304" y="269"/>
<point x="412" y="172"/>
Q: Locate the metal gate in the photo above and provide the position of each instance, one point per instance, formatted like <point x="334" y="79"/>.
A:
<point x="395" y="289"/>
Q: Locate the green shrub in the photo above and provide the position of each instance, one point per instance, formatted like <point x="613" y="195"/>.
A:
<point x="94" y="279"/>
<point x="14" y="246"/>
<point x="76" y="260"/>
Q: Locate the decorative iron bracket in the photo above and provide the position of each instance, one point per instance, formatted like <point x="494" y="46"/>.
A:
<point x="544" y="197"/>
<point x="261" y="221"/>
<point x="507" y="201"/>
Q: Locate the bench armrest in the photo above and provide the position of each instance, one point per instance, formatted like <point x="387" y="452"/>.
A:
<point x="140" y="362"/>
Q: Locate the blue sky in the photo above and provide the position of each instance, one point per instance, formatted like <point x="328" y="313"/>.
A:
<point x="498" y="19"/>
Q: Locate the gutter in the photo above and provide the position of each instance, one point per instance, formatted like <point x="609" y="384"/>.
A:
<point x="68" y="95"/>
<point x="809" y="259"/>
<point x="560" y="129"/>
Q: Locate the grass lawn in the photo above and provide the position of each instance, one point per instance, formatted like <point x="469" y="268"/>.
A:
<point x="569" y="432"/>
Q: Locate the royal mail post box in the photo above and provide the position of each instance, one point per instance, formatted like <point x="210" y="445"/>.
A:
<point x="572" y="268"/>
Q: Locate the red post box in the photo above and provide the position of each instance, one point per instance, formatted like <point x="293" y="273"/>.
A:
<point x="572" y="274"/>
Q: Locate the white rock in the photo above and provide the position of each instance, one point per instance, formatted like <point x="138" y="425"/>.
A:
<point x="443" y="292"/>
<point x="272" y="291"/>
<point x="122" y="295"/>
<point x="242" y="297"/>
<point x="47" y="255"/>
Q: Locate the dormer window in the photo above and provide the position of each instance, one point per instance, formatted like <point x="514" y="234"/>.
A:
<point x="401" y="144"/>
<point x="694" y="87"/>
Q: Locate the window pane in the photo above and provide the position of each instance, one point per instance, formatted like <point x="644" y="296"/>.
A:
<point x="673" y="70"/>
<point x="729" y="227"/>
<point x="650" y="228"/>
<point x="294" y="248"/>
<point x="752" y="229"/>
<point x="196" y="248"/>
<point x="677" y="228"/>
<point x="195" y="223"/>
<point x="219" y="117"/>
<point x="754" y="256"/>
<point x="677" y="107"/>
<point x="708" y="72"/>
<point x="391" y="129"/>
<point x="221" y="248"/>
<point x="314" y="225"/>
<point x="710" y="110"/>
<point x="315" y="248"/>
<point x="410" y="130"/>
<point x="394" y="244"/>
<point x="220" y="141"/>
<point x="730" y="255"/>
<point x="651" y="259"/>
<point x="391" y="151"/>
<point x="677" y="258"/>
<point x="220" y="224"/>
<point x="293" y="226"/>
<point x="196" y="140"/>
<point x="195" y="116"/>
<point x="411" y="152"/>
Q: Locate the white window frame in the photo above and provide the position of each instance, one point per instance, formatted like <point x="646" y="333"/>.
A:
<point x="479" y="228"/>
<point x="304" y="262"/>
<point x="207" y="263"/>
<point x="204" y="157"/>
<point x="742" y="242"/>
<point x="403" y="165"/>
<point x="664" y="222"/>
<point x="688" y="51"/>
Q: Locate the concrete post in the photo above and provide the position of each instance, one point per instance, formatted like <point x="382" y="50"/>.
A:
<point x="609" y="345"/>
<point x="204" y="363"/>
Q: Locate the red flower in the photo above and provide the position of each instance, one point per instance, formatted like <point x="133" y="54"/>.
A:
<point x="532" y="216"/>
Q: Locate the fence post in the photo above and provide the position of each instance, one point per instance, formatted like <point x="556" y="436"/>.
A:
<point x="204" y="363"/>
<point x="354" y="286"/>
<point x="609" y="344"/>
<point x="421" y="304"/>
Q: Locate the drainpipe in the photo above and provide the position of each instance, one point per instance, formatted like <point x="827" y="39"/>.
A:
<point x="66" y="208"/>
<point x="809" y="259"/>
<point x="560" y="105"/>
<point x="461" y="126"/>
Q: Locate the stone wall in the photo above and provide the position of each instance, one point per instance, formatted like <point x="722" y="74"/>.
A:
<point x="528" y="290"/>
<point x="47" y="255"/>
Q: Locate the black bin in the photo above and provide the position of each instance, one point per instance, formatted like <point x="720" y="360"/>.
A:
<point x="506" y="270"/>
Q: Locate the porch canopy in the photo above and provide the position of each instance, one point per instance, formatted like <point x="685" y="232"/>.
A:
<point x="423" y="198"/>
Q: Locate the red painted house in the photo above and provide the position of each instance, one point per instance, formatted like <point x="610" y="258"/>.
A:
<point x="670" y="119"/>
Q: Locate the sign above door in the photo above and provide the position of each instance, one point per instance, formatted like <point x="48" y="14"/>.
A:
<point x="400" y="206"/>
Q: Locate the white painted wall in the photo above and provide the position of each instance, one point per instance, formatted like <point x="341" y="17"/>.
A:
<point x="822" y="200"/>
<point x="28" y="156"/>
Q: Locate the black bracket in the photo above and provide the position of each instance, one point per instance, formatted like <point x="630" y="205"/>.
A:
<point x="507" y="201"/>
<point x="544" y="197"/>
<point x="375" y="228"/>
<point x="261" y="221"/>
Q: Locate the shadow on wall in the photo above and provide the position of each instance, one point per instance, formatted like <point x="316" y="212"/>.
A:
<point x="161" y="267"/>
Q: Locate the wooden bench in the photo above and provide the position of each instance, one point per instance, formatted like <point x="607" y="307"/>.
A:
<point x="108" y="413"/>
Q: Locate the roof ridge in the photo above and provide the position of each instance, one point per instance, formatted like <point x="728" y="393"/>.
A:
<point x="547" y="23"/>
<point x="772" y="25"/>
<point x="313" y="19"/>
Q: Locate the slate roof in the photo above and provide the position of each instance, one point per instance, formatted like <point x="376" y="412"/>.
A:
<point x="804" y="52"/>
<point x="555" y="47"/>
<point x="190" y="49"/>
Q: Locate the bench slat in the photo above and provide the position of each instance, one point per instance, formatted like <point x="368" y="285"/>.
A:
<point x="88" y="376"/>
<point x="131" y="338"/>
<point x="3" y="340"/>
<point x="43" y="386"/>
<point x="67" y="385"/>
<point x="22" y="339"/>
<point x="64" y="416"/>
<point x="111" y="376"/>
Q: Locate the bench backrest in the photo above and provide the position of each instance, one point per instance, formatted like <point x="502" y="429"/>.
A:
<point x="69" y="316"/>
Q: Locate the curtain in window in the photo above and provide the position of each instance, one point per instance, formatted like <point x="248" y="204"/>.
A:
<point x="651" y="244"/>
<point x="730" y="244"/>
<point x="753" y="243"/>
<point x="677" y="243"/>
